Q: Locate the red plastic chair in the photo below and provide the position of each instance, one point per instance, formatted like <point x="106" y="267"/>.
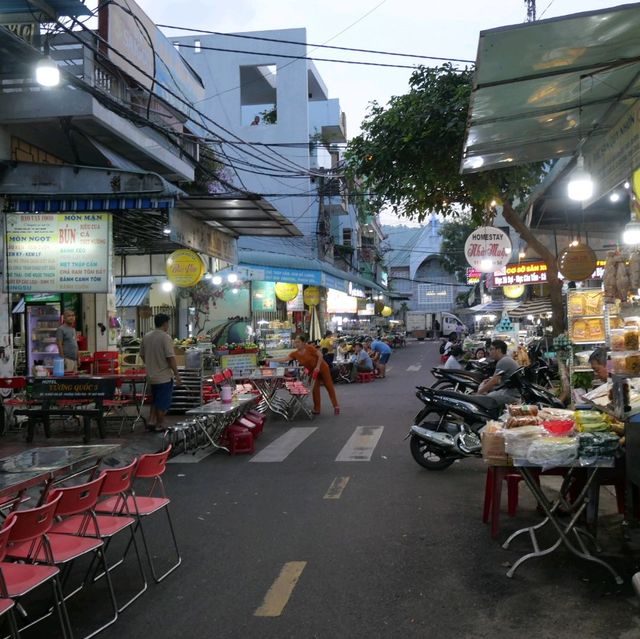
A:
<point x="6" y="604"/>
<point x="116" y="482"/>
<point x="16" y="385"/>
<point x="118" y="405"/>
<point x="30" y="527"/>
<point x="228" y="373"/>
<point x="105" y="362"/>
<point x="150" y="466"/>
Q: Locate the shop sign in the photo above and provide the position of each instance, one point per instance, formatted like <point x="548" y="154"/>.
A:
<point x="199" y="236"/>
<point x="368" y="310"/>
<point x="185" y="268"/>
<point x="297" y="303"/>
<point x="311" y="296"/>
<point x="473" y="276"/>
<point x="59" y="252"/>
<point x="487" y="249"/>
<point x="286" y="292"/>
<point x="22" y="26"/>
<point x="339" y="302"/>
<point x="263" y="297"/>
<point x="515" y="274"/>
<point x="513" y="291"/>
<point x="354" y="291"/>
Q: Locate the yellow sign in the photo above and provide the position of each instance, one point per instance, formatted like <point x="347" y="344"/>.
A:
<point x="311" y="296"/>
<point x="513" y="291"/>
<point x="286" y="292"/>
<point x="386" y="311"/>
<point x="185" y="268"/>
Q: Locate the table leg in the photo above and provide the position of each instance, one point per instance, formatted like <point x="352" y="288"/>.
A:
<point x="139" y="404"/>
<point x="86" y="423"/>
<point x="46" y="422"/>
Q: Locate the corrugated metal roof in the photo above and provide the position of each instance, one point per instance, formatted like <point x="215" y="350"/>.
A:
<point x="131" y="295"/>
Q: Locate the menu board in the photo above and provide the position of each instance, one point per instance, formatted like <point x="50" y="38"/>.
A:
<point x="58" y="252"/>
<point x="240" y="363"/>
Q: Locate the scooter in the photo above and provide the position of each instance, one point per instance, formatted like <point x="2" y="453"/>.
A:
<point x="463" y="380"/>
<point x="448" y="427"/>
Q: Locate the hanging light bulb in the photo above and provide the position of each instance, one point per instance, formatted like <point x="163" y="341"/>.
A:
<point x="47" y="72"/>
<point x="217" y="280"/>
<point x="580" y="186"/>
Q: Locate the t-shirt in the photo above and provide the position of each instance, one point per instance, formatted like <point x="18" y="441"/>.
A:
<point x="380" y="347"/>
<point x="67" y="334"/>
<point x="363" y="360"/>
<point x="156" y="347"/>
<point x="452" y="363"/>
<point x="507" y="365"/>
<point x="327" y="342"/>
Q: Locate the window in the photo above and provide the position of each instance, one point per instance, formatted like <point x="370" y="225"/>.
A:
<point x="196" y="46"/>
<point x="346" y="237"/>
<point x="258" y="94"/>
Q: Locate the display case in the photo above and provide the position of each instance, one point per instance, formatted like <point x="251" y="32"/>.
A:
<point x="42" y="322"/>
<point x="276" y="336"/>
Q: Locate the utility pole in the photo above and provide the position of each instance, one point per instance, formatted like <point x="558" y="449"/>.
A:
<point x="531" y="10"/>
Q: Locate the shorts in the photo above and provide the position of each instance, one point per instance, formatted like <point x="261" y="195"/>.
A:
<point x="161" y="395"/>
<point x="384" y="358"/>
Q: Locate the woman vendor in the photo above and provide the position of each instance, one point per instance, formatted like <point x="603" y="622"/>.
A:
<point x="311" y="358"/>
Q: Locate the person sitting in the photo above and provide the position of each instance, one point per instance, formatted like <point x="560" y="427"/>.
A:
<point x="455" y="355"/>
<point x="480" y="353"/>
<point x="327" y="346"/>
<point x="505" y="366"/>
<point x="361" y="362"/>
<point x="598" y="363"/>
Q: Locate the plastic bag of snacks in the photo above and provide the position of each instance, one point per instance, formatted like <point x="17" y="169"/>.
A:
<point x="553" y="451"/>
<point x="592" y="446"/>
<point x="518" y="440"/>
<point x="526" y="420"/>
<point x="522" y="410"/>
<point x="589" y="421"/>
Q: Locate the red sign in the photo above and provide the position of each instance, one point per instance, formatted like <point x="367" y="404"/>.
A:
<point x="529" y="273"/>
<point x="473" y="276"/>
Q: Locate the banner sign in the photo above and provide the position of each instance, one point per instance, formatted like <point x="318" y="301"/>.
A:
<point x="199" y="236"/>
<point x="58" y="252"/>
<point x="487" y="249"/>
<point x="529" y="273"/>
<point x="473" y="276"/>
<point x="263" y="296"/>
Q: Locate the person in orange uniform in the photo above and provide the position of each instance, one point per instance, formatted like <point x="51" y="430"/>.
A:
<point x="311" y="358"/>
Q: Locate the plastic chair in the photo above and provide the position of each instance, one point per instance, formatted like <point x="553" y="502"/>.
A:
<point x="116" y="483"/>
<point x="105" y="362"/>
<point x="228" y="373"/>
<point x="6" y="604"/>
<point x="15" y="384"/>
<point x="118" y="405"/>
<point x="150" y="466"/>
<point x="30" y="527"/>
<point x="493" y="492"/>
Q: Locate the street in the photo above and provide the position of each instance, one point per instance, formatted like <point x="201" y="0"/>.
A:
<point x="342" y="534"/>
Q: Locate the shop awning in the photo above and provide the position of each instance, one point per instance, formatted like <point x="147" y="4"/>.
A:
<point x="496" y="306"/>
<point x="131" y="295"/>
<point x="540" y="87"/>
<point x="19" y="307"/>
<point x="535" y="307"/>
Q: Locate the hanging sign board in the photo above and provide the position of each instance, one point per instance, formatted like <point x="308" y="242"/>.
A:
<point x="185" y="268"/>
<point x="487" y="249"/>
<point x="311" y="296"/>
<point x="263" y="297"/>
<point x="516" y="274"/>
<point x="473" y="276"/>
<point x="286" y="292"/>
<point x="58" y="252"/>
<point x="297" y="303"/>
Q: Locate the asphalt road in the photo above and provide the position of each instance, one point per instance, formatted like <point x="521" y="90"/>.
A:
<point x="360" y="542"/>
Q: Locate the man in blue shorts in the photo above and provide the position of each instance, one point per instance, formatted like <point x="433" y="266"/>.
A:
<point x="159" y="359"/>
<point x="384" y="353"/>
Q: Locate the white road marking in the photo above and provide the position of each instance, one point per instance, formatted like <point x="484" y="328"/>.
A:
<point x="337" y="487"/>
<point x="414" y="368"/>
<point x="361" y="444"/>
<point x="282" y="447"/>
<point x="279" y="594"/>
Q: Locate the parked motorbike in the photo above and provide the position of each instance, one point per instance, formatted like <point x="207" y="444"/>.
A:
<point x="449" y="425"/>
<point x="464" y="380"/>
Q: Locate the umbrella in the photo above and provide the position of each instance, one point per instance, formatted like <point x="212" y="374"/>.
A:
<point x="535" y="307"/>
<point x="314" y="327"/>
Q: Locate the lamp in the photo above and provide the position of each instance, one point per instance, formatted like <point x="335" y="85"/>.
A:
<point x="580" y="186"/>
<point x="631" y="233"/>
<point x="47" y="72"/>
<point x="217" y="280"/>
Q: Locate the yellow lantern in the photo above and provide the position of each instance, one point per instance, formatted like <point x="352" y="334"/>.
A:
<point x="185" y="268"/>
<point x="513" y="291"/>
<point x="386" y="311"/>
<point x="286" y="292"/>
<point x="577" y="262"/>
<point x="311" y="296"/>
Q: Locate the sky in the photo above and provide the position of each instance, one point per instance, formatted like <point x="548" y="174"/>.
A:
<point x="417" y="27"/>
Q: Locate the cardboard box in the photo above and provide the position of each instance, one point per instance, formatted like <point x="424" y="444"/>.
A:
<point x="493" y="451"/>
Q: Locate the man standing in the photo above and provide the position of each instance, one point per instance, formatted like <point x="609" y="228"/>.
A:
<point x="505" y="366"/>
<point x="384" y="353"/>
<point x="157" y="354"/>
<point x="66" y="340"/>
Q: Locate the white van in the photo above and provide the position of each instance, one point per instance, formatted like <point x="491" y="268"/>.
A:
<point x="449" y="323"/>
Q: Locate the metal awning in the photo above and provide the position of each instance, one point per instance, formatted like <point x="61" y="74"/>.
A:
<point x="240" y="214"/>
<point x="496" y="306"/>
<point x="60" y="7"/>
<point x="129" y="295"/>
<point x="541" y="87"/>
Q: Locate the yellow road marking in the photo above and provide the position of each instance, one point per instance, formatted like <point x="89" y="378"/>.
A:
<point x="336" y="488"/>
<point x="278" y="595"/>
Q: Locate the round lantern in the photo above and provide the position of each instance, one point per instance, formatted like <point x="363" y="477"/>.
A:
<point x="185" y="268"/>
<point x="577" y="262"/>
<point x="513" y="291"/>
<point x="311" y="296"/>
<point x="386" y="311"/>
<point x="286" y="292"/>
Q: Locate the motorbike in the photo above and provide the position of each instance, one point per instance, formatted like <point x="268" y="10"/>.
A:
<point x="448" y="427"/>
<point x="464" y="380"/>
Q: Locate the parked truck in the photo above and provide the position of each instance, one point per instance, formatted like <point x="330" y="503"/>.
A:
<point x="441" y="324"/>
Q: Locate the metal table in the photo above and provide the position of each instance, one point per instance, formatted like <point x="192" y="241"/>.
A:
<point x="218" y="416"/>
<point x="268" y="386"/>
<point x="566" y="531"/>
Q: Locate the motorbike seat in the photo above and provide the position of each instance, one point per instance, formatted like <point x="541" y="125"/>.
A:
<point x="471" y="375"/>
<point x="488" y="403"/>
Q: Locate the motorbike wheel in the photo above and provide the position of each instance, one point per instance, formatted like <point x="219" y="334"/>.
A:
<point x="428" y="456"/>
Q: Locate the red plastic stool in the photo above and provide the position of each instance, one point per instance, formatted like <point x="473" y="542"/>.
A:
<point x="238" y="440"/>
<point x="255" y="428"/>
<point x="256" y="416"/>
<point x="493" y="493"/>
<point x="257" y="420"/>
<point x="365" y="378"/>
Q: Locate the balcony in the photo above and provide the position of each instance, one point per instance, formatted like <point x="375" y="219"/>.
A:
<point x="327" y="120"/>
<point x="84" y="127"/>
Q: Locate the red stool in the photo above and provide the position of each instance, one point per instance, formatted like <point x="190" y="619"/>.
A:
<point x="255" y="428"/>
<point x="365" y="378"/>
<point x="257" y="420"/>
<point x="238" y="440"/>
<point x="493" y="494"/>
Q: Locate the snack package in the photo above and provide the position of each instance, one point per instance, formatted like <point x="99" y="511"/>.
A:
<point x="595" y="445"/>
<point x="579" y="330"/>
<point x="547" y="413"/>
<point x="576" y="304"/>
<point x="553" y="451"/>
<point x="593" y="303"/>
<point x="595" y="330"/>
<point x="520" y="410"/>
<point x="525" y="420"/>
<point x="518" y="440"/>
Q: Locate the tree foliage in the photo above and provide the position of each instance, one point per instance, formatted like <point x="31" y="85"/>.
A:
<point x="453" y="235"/>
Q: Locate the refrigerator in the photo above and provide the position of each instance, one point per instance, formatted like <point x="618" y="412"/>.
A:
<point x="42" y="318"/>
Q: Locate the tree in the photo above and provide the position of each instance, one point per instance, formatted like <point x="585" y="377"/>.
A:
<point x="453" y="236"/>
<point x="409" y="155"/>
